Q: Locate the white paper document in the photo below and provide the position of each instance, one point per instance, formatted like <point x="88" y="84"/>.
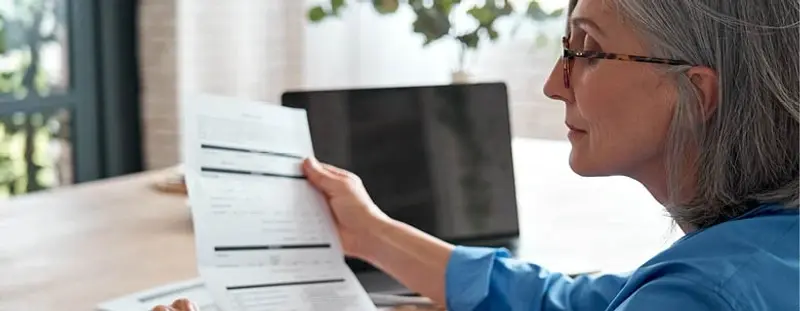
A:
<point x="265" y="238"/>
<point x="196" y="291"/>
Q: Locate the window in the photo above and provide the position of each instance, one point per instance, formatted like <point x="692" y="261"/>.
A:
<point x="56" y="117"/>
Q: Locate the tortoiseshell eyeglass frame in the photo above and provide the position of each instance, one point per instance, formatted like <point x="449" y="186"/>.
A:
<point x="572" y="54"/>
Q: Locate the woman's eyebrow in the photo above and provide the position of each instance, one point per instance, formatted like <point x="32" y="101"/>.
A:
<point x="579" y="21"/>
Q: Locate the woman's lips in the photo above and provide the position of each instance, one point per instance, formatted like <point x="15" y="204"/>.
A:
<point x="574" y="132"/>
<point x="573" y="128"/>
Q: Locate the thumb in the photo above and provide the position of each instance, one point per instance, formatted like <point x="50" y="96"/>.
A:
<point x="184" y="304"/>
<point x="321" y="178"/>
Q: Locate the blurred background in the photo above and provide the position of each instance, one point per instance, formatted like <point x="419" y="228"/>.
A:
<point x="89" y="89"/>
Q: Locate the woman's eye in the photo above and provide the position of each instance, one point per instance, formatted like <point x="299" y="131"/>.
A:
<point x="591" y="45"/>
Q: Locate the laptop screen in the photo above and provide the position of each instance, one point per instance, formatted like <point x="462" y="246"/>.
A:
<point x="435" y="157"/>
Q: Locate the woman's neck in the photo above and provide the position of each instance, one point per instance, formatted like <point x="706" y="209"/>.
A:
<point x="655" y="178"/>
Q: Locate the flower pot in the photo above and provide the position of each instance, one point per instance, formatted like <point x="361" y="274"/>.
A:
<point x="461" y="77"/>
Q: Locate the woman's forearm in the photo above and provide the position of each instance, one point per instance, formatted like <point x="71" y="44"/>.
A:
<point x="415" y="258"/>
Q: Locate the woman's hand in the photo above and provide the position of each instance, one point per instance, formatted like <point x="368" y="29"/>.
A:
<point x="178" y="305"/>
<point x="355" y="215"/>
<point x="415" y="258"/>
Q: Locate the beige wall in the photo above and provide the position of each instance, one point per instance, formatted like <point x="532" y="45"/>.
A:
<point x="157" y="56"/>
<point x="257" y="48"/>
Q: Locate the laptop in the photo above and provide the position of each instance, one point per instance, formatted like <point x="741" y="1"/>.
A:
<point x="437" y="157"/>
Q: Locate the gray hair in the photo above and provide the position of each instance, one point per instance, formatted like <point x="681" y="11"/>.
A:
<point x="747" y="150"/>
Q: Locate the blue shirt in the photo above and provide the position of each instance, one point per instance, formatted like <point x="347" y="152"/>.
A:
<point x="750" y="263"/>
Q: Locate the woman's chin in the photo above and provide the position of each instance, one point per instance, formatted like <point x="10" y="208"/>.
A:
<point x="585" y="165"/>
<point x="582" y="170"/>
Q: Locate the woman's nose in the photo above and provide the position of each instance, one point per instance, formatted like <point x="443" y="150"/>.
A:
<point x="555" y="85"/>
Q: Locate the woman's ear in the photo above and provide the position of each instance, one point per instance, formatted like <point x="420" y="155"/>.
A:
<point x="706" y="83"/>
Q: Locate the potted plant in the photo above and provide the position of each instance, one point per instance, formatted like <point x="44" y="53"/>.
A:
<point x="435" y="20"/>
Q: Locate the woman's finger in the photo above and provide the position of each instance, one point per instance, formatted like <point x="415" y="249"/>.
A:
<point x="337" y="171"/>
<point x="323" y="179"/>
<point x="183" y="304"/>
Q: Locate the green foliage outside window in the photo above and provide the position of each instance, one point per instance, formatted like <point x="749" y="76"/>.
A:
<point x="29" y="140"/>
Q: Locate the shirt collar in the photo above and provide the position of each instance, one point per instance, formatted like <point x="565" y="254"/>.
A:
<point x="758" y="211"/>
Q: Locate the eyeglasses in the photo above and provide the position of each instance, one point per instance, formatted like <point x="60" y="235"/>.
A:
<point x="571" y="54"/>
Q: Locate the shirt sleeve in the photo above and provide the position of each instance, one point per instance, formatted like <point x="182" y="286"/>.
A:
<point x="486" y="279"/>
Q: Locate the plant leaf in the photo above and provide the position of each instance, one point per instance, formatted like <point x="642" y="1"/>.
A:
<point x="557" y="13"/>
<point x="483" y="15"/>
<point x="316" y="14"/>
<point x="336" y="6"/>
<point x="445" y="6"/>
<point x="431" y="23"/>
<point x="386" y="6"/>
<point x="416" y="4"/>
<point x="507" y="9"/>
<point x="487" y="14"/>
<point x="470" y="40"/>
<point x="493" y="34"/>
<point x="535" y="11"/>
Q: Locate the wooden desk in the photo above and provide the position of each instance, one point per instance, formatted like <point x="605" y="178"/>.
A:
<point x="72" y="248"/>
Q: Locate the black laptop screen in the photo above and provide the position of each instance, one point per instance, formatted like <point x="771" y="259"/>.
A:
<point x="435" y="157"/>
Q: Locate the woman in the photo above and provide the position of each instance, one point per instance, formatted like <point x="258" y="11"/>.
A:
<point x="699" y="103"/>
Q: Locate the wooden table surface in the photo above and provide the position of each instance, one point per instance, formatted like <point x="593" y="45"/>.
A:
<point x="73" y="248"/>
